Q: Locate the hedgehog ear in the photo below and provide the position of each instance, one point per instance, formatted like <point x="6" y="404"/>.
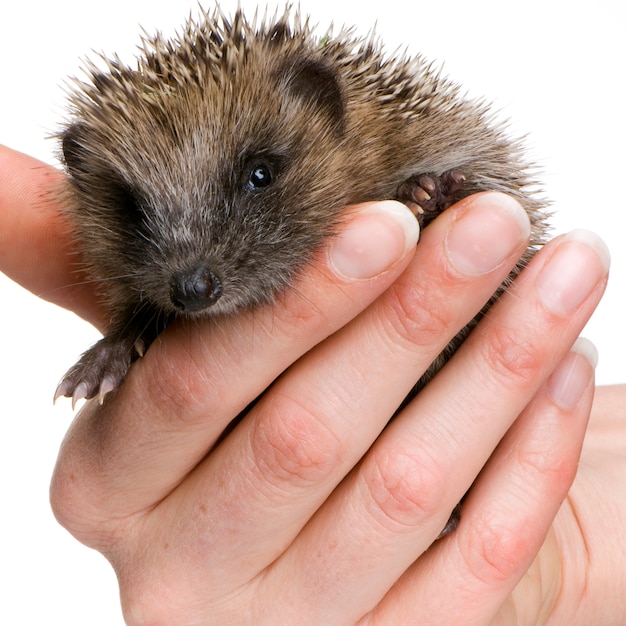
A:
<point x="73" y="151"/>
<point x="315" y="82"/>
<point x="81" y="164"/>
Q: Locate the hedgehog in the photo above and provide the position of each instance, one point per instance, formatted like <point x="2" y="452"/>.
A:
<point x="204" y="178"/>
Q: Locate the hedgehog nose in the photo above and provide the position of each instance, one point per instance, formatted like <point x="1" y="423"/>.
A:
<point x="195" y="289"/>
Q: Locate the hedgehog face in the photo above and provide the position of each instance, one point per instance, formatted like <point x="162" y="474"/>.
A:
<point x="184" y="175"/>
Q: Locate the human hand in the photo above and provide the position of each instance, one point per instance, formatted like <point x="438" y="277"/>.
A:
<point x="293" y="517"/>
<point x="587" y="533"/>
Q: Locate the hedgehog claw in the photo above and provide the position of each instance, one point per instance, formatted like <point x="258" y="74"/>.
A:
<point x="80" y="393"/>
<point x="140" y="347"/>
<point x="62" y="389"/>
<point x="428" y="185"/>
<point x="420" y="194"/>
<point x="106" y="386"/>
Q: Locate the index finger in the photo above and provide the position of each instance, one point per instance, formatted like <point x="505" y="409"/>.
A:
<point x="36" y="245"/>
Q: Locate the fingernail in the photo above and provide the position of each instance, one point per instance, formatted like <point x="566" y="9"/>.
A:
<point x="569" y="380"/>
<point x="379" y="236"/>
<point x="486" y="234"/>
<point x="577" y="265"/>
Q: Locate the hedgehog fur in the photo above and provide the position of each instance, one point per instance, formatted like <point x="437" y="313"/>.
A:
<point x="203" y="178"/>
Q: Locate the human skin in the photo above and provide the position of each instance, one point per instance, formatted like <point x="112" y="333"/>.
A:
<point x="307" y="511"/>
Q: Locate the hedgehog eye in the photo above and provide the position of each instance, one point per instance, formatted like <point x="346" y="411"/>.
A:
<point x="260" y="176"/>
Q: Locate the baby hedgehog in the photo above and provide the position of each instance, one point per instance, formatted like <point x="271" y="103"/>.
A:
<point x="203" y="179"/>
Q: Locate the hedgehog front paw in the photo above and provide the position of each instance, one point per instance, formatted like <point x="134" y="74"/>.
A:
<point x="427" y="195"/>
<point x="99" y="371"/>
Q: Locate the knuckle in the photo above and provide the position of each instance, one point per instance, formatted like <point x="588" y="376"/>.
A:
<point x="511" y="358"/>
<point x="296" y="311"/>
<point x="541" y="470"/>
<point x="175" y="377"/>
<point x="404" y="487"/>
<point x="495" y="552"/>
<point x="64" y="493"/>
<point x="415" y="318"/>
<point x="292" y="445"/>
<point x="79" y="512"/>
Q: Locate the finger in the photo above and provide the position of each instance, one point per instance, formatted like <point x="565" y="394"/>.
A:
<point x="506" y="517"/>
<point x="131" y="452"/>
<point x="425" y="460"/>
<point x="36" y="247"/>
<point x="323" y="414"/>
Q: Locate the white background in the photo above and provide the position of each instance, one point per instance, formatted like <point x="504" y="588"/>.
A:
<point x="556" y="68"/>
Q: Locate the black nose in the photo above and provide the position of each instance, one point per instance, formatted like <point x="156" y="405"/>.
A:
<point x="195" y="289"/>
